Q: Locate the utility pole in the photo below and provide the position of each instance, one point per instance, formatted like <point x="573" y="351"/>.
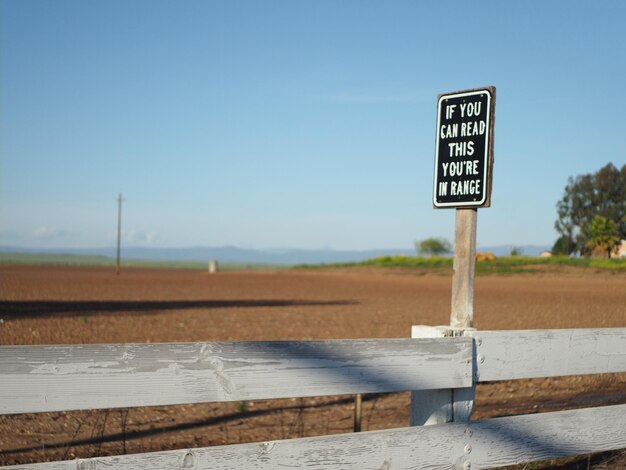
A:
<point x="119" y="231"/>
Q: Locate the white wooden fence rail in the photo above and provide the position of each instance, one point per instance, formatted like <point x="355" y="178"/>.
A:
<point x="46" y="378"/>
<point x="525" y="354"/>
<point x="478" y="444"/>
<point x="59" y="378"/>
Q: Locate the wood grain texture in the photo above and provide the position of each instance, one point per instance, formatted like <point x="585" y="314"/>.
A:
<point x="56" y="378"/>
<point x="454" y="446"/>
<point x="527" y="438"/>
<point x="519" y="354"/>
<point x="462" y="308"/>
<point x="430" y="407"/>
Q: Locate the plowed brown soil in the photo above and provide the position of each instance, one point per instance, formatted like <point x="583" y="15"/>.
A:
<point x="68" y="305"/>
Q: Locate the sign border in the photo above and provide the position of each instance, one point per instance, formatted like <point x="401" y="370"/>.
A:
<point x="488" y="169"/>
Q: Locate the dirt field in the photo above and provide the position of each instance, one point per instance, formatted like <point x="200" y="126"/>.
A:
<point x="61" y="305"/>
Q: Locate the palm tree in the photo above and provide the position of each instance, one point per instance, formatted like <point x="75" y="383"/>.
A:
<point x="603" y="234"/>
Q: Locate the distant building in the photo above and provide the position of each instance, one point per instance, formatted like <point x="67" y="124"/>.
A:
<point x="619" y="251"/>
<point x="485" y="256"/>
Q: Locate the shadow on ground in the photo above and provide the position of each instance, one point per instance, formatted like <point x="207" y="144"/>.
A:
<point x="47" y="308"/>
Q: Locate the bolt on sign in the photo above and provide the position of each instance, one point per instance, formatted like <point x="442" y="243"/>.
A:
<point x="464" y="150"/>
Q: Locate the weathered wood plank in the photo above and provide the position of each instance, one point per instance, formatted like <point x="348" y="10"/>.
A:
<point x="505" y="355"/>
<point x="527" y="438"/>
<point x="55" y="378"/>
<point x="462" y="307"/>
<point x="454" y="446"/>
<point x="430" y="407"/>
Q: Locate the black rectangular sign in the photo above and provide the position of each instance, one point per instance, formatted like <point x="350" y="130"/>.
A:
<point x="464" y="150"/>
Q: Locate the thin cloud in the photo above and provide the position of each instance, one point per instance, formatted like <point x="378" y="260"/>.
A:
<point x="140" y="237"/>
<point x="44" y="232"/>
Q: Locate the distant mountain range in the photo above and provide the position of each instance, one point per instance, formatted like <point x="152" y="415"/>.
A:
<point x="236" y="255"/>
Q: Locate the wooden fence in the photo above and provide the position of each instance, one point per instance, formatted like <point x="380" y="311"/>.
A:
<point x="57" y="378"/>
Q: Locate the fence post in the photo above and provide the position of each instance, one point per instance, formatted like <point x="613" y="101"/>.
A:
<point x="447" y="405"/>
<point x="358" y="401"/>
<point x="213" y="266"/>
<point x="430" y="406"/>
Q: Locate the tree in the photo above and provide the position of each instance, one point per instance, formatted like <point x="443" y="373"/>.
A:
<point x="603" y="233"/>
<point x="585" y="196"/>
<point x="563" y="246"/>
<point x="433" y="246"/>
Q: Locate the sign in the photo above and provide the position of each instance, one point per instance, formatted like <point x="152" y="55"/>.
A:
<point x="464" y="150"/>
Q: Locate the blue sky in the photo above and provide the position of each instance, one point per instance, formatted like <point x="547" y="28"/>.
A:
<point x="293" y="123"/>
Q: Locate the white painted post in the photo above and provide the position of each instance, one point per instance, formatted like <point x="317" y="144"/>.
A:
<point x="213" y="266"/>
<point x="430" y="406"/>
<point x="447" y="405"/>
